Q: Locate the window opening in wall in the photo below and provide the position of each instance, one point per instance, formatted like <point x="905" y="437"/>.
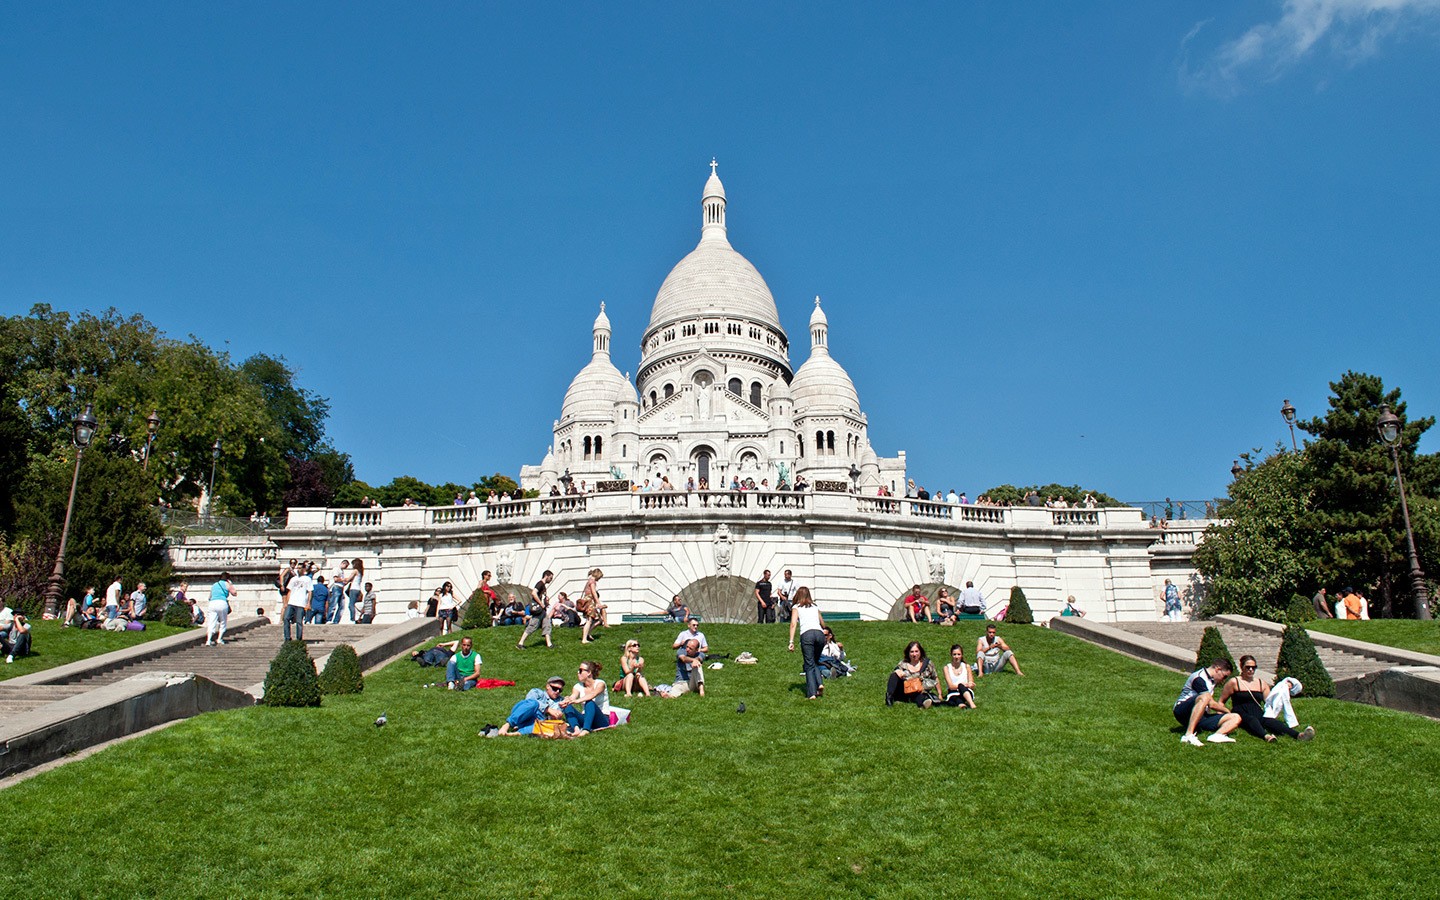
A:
<point x="734" y="386"/>
<point x="597" y="446"/>
<point x="755" y="393"/>
<point x="669" y="391"/>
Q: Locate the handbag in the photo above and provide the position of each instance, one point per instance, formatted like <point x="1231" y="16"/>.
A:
<point x="913" y="685"/>
<point x="551" y="728"/>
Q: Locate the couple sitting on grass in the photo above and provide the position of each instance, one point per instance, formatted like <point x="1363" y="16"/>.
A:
<point x="587" y="709"/>
<point x="1255" y="705"/>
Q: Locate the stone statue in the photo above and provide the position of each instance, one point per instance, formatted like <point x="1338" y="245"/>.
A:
<point x="505" y="566"/>
<point x="784" y="473"/>
<point x="724" y="548"/>
<point x="936" y="559"/>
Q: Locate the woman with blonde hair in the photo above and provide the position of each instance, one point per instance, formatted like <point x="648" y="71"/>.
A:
<point x="590" y="606"/>
<point x="805" y="617"/>
<point x="632" y="667"/>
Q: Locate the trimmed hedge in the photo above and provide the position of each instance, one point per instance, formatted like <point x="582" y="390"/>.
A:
<point x="1212" y="647"/>
<point x="1019" y="612"/>
<point x="1301" y="609"/>
<point x="477" y="612"/>
<point x="179" y="614"/>
<point x="342" y="673"/>
<point x="1299" y="659"/>
<point x="291" y="680"/>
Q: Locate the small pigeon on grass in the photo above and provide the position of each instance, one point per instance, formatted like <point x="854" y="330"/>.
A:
<point x="380" y="722"/>
<point x="741" y="707"/>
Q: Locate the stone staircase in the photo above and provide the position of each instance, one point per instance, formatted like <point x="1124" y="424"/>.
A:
<point x="242" y="662"/>
<point x="1263" y="645"/>
<point x="17" y="698"/>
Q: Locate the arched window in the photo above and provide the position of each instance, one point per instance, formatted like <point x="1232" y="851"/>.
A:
<point x="657" y="460"/>
<point x="587" y="447"/>
<point x="830" y="441"/>
<point x="597" y="446"/>
<point x="754" y="393"/>
<point x="653" y="398"/>
<point x="749" y="460"/>
<point x="669" y="391"/>
<point x="735" y="386"/>
<point x="819" y="441"/>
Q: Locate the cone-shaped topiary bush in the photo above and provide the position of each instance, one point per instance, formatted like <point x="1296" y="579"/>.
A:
<point x="342" y="673"/>
<point x="291" y="680"/>
<point x="1299" y="659"/>
<point x="1299" y="610"/>
<point x="1212" y="647"/>
<point x="477" y="612"/>
<point x="1019" y="612"/>
<point x="178" y="614"/>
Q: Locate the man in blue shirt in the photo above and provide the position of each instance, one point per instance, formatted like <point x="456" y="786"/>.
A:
<point x="689" y="669"/>
<point x="538" y="702"/>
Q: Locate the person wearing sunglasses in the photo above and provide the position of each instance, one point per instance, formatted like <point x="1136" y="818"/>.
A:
<point x="1247" y="693"/>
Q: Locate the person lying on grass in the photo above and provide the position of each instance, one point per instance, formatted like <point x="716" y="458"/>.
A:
<point x="463" y="670"/>
<point x="632" y="668"/>
<point x="1247" y="693"/>
<point x="587" y="708"/>
<point x="913" y="680"/>
<point x="1198" y="710"/>
<point x="437" y="655"/>
<point x="538" y="703"/>
<point x="959" y="680"/>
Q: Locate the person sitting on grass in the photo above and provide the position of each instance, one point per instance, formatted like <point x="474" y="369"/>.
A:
<point x="513" y="613"/>
<point x="437" y="655"/>
<point x="959" y="679"/>
<point x="632" y="669"/>
<point x="541" y="702"/>
<point x="692" y="632"/>
<point x="17" y="639"/>
<point x="677" y="611"/>
<point x="73" y="607"/>
<point x="992" y="654"/>
<point x="917" y="605"/>
<point x="1247" y="693"/>
<point x="913" y="680"/>
<point x="463" y="670"/>
<point x="587" y="708"/>
<point x="566" y="615"/>
<point x="689" y="669"/>
<point x="972" y="601"/>
<point x="833" y="663"/>
<point x="945" y="608"/>
<point x="1198" y="710"/>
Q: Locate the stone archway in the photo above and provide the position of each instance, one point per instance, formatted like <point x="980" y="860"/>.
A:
<point x="721" y="598"/>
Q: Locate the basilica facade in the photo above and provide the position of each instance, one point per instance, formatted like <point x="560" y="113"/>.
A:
<point x="714" y="398"/>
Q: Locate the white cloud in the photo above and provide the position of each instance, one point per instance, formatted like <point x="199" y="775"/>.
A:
<point x="1350" y="29"/>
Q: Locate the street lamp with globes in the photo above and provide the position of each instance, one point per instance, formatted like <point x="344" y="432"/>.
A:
<point x="152" y="424"/>
<point x="1287" y="412"/>
<point x="84" y="430"/>
<point x="1389" y="428"/>
<point x="210" y="494"/>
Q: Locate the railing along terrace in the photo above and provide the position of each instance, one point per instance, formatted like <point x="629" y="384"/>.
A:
<point x="621" y="502"/>
<point x="1178" y="510"/>
<point x="227" y="554"/>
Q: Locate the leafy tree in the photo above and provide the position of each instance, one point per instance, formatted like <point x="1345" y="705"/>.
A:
<point x="1299" y="659"/>
<point x="25" y="567"/>
<point x="1253" y="564"/>
<point x="299" y="413"/>
<point x="1009" y="495"/>
<point x="1212" y="647"/>
<point x="1018" y="613"/>
<point x="1300" y="610"/>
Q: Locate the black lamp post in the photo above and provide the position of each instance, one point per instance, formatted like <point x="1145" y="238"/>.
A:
<point x="1236" y="471"/>
<point x="152" y="424"/>
<point x="566" y="480"/>
<point x="1389" y="427"/>
<point x="854" y="479"/>
<point x="210" y="494"/>
<point x="84" y="429"/>
<point x="1287" y="412"/>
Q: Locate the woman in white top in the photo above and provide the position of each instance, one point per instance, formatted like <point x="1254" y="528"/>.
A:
<point x="959" y="680"/>
<point x="445" y="607"/>
<point x="588" y="706"/>
<point x="805" y="617"/>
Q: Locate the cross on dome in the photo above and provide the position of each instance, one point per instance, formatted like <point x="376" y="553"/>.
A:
<point x="713" y="164"/>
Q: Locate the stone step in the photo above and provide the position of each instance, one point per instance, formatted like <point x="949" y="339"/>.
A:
<point x="18" y="699"/>
<point x="1263" y="645"/>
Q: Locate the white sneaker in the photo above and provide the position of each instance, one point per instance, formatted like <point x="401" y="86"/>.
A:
<point x="9" y="660"/>
<point x="221" y="642"/>
<point x="1307" y="734"/>
<point x="1192" y="740"/>
<point x="1218" y="738"/>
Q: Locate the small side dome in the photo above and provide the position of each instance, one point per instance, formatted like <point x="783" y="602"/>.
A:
<point x="823" y="384"/>
<point x="595" y="391"/>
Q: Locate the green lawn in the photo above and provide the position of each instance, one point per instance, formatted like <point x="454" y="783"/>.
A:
<point x="1071" y="782"/>
<point x="1407" y="634"/>
<point x="53" y="645"/>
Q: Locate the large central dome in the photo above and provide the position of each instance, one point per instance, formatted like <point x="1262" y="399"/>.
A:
<point x="713" y="279"/>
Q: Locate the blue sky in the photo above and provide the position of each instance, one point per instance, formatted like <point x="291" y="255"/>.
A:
<point x="1094" y="243"/>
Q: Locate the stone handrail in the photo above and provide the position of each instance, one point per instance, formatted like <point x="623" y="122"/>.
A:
<point x="643" y="502"/>
<point x="222" y="553"/>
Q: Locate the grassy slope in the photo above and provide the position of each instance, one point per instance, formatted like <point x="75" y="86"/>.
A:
<point x="1407" y="634"/>
<point x="1069" y="783"/>
<point x="53" y="645"/>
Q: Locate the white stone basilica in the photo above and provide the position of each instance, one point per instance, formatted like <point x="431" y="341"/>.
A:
<point x="715" y="397"/>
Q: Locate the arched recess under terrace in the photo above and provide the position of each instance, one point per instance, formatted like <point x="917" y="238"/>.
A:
<point x="721" y="598"/>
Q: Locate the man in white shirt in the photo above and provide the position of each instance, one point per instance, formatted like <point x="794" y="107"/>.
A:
<point x="785" y="594"/>
<point x="971" y="600"/>
<point x="692" y="632"/>
<point x="297" y="603"/>
<point x="112" y="599"/>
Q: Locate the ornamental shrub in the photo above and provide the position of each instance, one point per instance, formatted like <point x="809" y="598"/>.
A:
<point x="1019" y="611"/>
<point x="179" y="614"/>
<point x="1212" y="647"/>
<point x="342" y="673"/>
<point x="1300" y="610"/>
<point x="477" y="612"/>
<point x="291" y="680"/>
<point x="1299" y="659"/>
